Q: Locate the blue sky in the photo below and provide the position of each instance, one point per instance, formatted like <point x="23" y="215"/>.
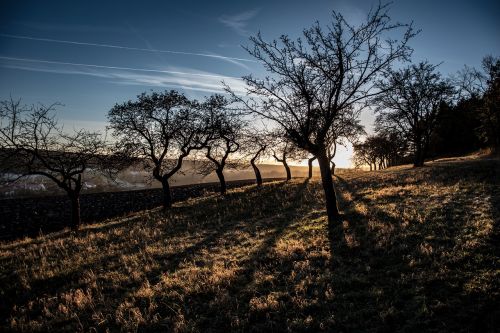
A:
<point x="89" y="55"/>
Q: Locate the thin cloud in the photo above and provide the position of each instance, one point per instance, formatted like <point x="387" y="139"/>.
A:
<point x="235" y="62"/>
<point x="150" y="47"/>
<point x="173" y="77"/>
<point x="117" y="67"/>
<point x="239" y="22"/>
<point x="50" y="40"/>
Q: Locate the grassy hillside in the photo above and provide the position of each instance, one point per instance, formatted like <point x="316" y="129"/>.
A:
<point x="421" y="253"/>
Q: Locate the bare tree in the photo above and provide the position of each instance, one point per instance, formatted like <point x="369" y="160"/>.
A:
<point x="256" y="145"/>
<point x="284" y="150"/>
<point x="345" y="129"/>
<point x="310" y="161"/>
<point x="161" y="129"/>
<point x="362" y="155"/>
<point x="411" y="103"/>
<point x="33" y="143"/>
<point x="226" y="134"/>
<point x="313" y="81"/>
<point x="380" y="151"/>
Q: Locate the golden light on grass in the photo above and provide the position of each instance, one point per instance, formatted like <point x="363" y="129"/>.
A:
<point x="262" y="259"/>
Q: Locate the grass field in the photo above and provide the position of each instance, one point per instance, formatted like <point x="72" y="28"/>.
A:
<point x="420" y="253"/>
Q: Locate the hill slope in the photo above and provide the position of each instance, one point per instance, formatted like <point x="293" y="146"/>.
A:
<point x="421" y="252"/>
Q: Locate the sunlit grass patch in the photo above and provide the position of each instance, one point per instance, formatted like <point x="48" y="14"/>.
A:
<point x="419" y="253"/>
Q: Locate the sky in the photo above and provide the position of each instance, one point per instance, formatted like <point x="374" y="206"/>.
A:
<point x="90" y="55"/>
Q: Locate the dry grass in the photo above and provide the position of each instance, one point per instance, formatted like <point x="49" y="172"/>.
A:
<point x="421" y="253"/>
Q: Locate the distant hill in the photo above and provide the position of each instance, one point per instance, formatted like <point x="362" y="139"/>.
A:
<point x="138" y="178"/>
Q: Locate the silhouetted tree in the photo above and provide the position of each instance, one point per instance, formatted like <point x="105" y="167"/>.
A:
<point x="410" y="102"/>
<point x="226" y="129"/>
<point x="379" y="151"/>
<point x="283" y="151"/>
<point x="313" y="81"/>
<point x="310" y="161"/>
<point x="256" y="144"/>
<point x="457" y="128"/>
<point x="345" y="129"/>
<point x="161" y="129"/>
<point x="33" y="143"/>
<point x="361" y="155"/>
<point x="484" y="86"/>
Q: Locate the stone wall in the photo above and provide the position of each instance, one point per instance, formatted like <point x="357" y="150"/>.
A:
<point x="31" y="216"/>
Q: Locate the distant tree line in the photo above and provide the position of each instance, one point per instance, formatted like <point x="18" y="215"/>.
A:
<point x="421" y="115"/>
<point x="473" y="121"/>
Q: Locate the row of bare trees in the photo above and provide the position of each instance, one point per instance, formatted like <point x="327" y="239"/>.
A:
<point x="380" y="151"/>
<point x="311" y="100"/>
<point x="317" y="86"/>
<point x="163" y="129"/>
<point x="313" y="94"/>
<point x="157" y="130"/>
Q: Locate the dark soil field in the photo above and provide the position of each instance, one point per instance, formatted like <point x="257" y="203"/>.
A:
<point x="420" y="253"/>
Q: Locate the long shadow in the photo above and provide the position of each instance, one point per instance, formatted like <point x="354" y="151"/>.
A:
<point x="214" y="314"/>
<point x="51" y="214"/>
<point x="209" y="209"/>
<point x="377" y="267"/>
<point x="128" y="220"/>
<point x="413" y="261"/>
<point x="241" y="289"/>
<point x="379" y="283"/>
<point x="485" y="302"/>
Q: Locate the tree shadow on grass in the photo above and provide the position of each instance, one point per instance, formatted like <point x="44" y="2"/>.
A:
<point x="413" y="277"/>
<point x="260" y="260"/>
<point x="213" y="312"/>
<point x="218" y="216"/>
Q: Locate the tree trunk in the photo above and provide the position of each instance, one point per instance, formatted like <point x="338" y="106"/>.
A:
<point x="333" y="168"/>
<point x="167" y="195"/>
<point x="256" y="170"/>
<point x="418" y="160"/>
<point x="310" y="163"/>
<point x="332" y="209"/>
<point x="75" y="211"/>
<point x="496" y="144"/>
<point x="371" y="167"/>
<point x="222" y="181"/>
<point x="287" y="168"/>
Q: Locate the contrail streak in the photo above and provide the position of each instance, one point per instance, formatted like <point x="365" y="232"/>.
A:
<point x="124" y="47"/>
<point x="119" y="68"/>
